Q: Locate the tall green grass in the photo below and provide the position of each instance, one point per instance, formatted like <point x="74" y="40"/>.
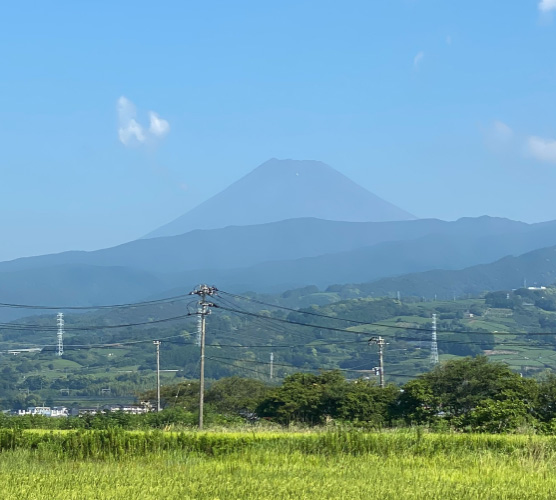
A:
<point x="119" y="444"/>
<point x="469" y="469"/>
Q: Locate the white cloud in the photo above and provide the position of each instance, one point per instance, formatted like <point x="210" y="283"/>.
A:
<point x="130" y="131"/>
<point x="547" y="5"/>
<point x="418" y="58"/>
<point x="158" y="126"/>
<point x="128" y="128"/>
<point x="542" y="149"/>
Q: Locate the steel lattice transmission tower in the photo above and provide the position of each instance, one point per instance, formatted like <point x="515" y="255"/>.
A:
<point x="60" y="335"/>
<point x="434" y="344"/>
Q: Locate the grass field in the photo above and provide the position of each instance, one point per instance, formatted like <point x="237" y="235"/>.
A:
<point x="286" y="465"/>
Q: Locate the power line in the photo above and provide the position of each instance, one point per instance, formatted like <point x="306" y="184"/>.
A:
<point x="41" y="328"/>
<point x="357" y="322"/>
<point x="220" y="359"/>
<point x="89" y="308"/>
<point x="280" y="328"/>
<point x="107" y="345"/>
<point x="322" y="327"/>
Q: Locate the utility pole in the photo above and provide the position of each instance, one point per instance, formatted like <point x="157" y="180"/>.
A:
<point x="157" y="344"/>
<point x="60" y="335"/>
<point x="203" y="291"/>
<point x="379" y="341"/>
<point x="271" y="365"/>
<point x="434" y="344"/>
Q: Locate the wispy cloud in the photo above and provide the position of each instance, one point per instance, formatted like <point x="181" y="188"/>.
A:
<point x="130" y="131"/>
<point x="501" y="138"/>
<point x="498" y="136"/>
<point x="542" y="149"/>
<point x="418" y="59"/>
<point x="158" y="126"/>
<point x="501" y="132"/>
<point x="547" y="5"/>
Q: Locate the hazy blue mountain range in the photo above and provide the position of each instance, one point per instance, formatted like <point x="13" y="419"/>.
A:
<point x="244" y="246"/>
<point x="536" y="268"/>
<point x="267" y="257"/>
<point x="286" y="189"/>
<point x="287" y="224"/>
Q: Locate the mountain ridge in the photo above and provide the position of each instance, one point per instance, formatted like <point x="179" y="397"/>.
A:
<point x="301" y="252"/>
<point x="286" y="189"/>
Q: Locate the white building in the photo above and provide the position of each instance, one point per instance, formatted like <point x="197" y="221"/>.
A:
<point x="47" y="411"/>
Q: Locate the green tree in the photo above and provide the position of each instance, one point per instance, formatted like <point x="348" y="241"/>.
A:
<point x="497" y="416"/>
<point x="455" y="388"/>
<point x="304" y="397"/>
<point x="236" y="395"/>
<point x="365" y="401"/>
<point x="417" y="403"/>
<point x="461" y="384"/>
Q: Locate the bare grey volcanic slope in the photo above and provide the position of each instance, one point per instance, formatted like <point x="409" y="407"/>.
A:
<point x="286" y="189"/>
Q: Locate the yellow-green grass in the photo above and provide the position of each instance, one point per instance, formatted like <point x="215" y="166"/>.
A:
<point x="273" y="465"/>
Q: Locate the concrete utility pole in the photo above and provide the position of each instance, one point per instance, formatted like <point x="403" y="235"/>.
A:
<point x="157" y="344"/>
<point x="271" y="365"/>
<point x="203" y="291"/>
<point x="379" y="341"/>
<point x="434" y="344"/>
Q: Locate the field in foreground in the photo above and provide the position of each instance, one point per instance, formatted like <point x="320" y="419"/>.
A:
<point x="247" y="466"/>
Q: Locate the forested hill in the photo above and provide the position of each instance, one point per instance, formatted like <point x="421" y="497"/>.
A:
<point x="109" y="356"/>
<point x="534" y="268"/>
<point x="277" y="256"/>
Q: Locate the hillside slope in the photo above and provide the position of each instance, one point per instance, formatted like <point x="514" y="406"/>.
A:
<point x="537" y="268"/>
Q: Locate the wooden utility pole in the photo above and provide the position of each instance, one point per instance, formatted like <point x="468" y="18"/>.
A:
<point x="202" y="291"/>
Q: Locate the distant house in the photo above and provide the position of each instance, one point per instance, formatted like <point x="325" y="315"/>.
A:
<point x="126" y="408"/>
<point x="133" y="409"/>
<point x="59" y="411"/>
<point x="79" y="412"/>
<point x="46" y="411"/>
<point x="38" y="410"/>
<point x="62" y="411"/>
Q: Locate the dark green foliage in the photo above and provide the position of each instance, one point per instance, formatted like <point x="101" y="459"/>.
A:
<point x="236" y="395"/>
<point x="312" y="399"/>
<point x="365" y="401"/>
<point x="417" y="403"/>
<point x="498" y="415"/>
<point x="502" y="299"/>
<point x="461" y="384"/>
<point x="472" y="392"/>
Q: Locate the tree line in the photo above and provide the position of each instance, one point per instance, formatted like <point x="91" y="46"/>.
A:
<point x="469" y="394"/>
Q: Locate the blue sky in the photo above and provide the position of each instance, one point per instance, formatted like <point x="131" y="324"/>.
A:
<point x="117" y="117"/>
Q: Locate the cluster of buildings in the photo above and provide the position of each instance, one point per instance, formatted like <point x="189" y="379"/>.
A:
<point x="45" y="411"/>
<point x="62" y="411"/>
